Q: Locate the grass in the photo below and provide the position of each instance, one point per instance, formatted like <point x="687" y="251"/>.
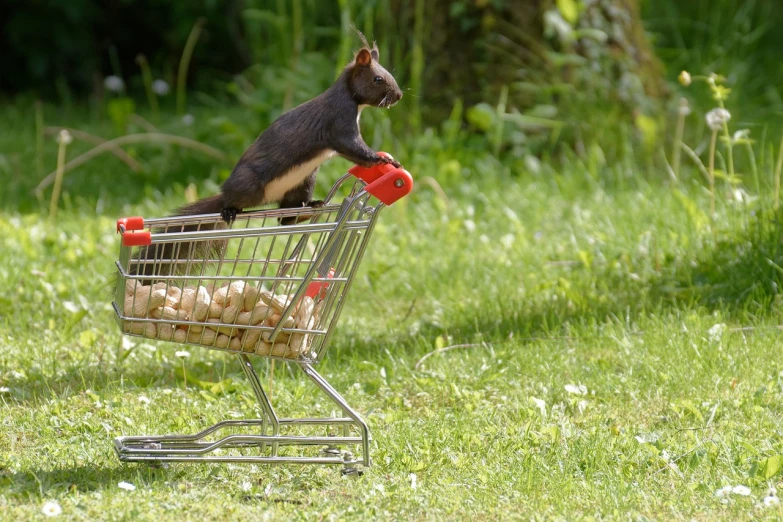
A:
<point x="585" y="275"/>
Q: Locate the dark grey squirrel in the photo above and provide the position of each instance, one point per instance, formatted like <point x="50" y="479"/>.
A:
<point x="281" y="165"/>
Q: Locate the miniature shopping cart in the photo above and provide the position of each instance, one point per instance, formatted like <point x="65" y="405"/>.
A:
<point x="272" y="284"/>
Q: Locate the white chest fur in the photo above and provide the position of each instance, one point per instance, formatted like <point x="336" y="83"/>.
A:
<point x="276" y="189"/>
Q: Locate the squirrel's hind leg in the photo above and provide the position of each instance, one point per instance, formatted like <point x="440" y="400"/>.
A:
<point x="300" y="196"/>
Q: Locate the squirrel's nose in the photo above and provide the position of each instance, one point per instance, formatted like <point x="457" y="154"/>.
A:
<point x="399" y="95"/>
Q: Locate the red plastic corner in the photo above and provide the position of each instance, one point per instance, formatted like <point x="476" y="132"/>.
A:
<point x="316" y="287"/>
<point x="133" y="239"/>
<point x="370" y="174"/>
<point x="130" y="223"/>
<point x="394" y="185"/>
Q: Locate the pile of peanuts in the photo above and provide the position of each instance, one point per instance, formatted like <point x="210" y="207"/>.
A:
<point x="238" y="303"/>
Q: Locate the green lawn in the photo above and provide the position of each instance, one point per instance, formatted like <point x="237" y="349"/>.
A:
<point x="625" y="357"/>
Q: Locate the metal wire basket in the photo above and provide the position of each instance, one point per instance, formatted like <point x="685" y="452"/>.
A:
<point x="257" y="287"/>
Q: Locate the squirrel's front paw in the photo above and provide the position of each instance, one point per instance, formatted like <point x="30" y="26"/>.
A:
<point x="382" y="160"/>
<point x="229" y="214"/>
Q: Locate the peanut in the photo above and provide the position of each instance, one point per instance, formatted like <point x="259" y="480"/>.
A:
<point x="263" y="348"/>
<point x="180" y="335"/>
<point x="222" y="341"/>
<point x="251" y="297"/>
<point x="169" y="314"/>
<point x="226" y="330"/>
<point x="305" y="312"/>
<point x="219" y="296"/>
<point x="141" y="328"/>
<point x="215" y="310"/>
<point x="235" y="344"/>
<point x="230" y="313"/>
<point x="206" y="337"/>
<point x="165" y="332"/>
<point x="144" y="300"/>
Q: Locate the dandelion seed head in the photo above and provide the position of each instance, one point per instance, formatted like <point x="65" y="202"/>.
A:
<point x="114" y="83"/>
<point x="771" y="501"/>
<point x="160" y="87"/>
<point x="716" y="118"/>
<point x="741" y="490"/>
<point x="685" y="78"/>
<point x="188" y="120"/>
<point x="64" y="137"/>
<point x="182" y="354"/>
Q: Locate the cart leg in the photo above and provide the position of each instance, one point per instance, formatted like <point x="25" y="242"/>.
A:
<point x="338" y="399"/>
<point x="266" y="407"/>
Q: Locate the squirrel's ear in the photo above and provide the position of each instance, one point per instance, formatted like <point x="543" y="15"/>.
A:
<point x="374" y="51"/>
<point x="363" y="57"/>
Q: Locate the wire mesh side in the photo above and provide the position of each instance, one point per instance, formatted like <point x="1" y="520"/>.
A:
<point x="234" y="289"/>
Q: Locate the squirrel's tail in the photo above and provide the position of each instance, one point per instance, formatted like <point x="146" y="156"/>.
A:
<point x="168" y="258"/>
<point x="210" y="205"/>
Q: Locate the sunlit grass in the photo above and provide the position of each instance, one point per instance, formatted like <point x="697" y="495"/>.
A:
<point x="623" y="355"/>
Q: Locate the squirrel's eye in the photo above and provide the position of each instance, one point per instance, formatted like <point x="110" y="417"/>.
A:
<point x="378" y="80"/>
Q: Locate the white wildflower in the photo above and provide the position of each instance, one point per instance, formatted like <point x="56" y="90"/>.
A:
<point x="540" y="404"/>
<point x="771" y="501"/>
<point x="160" y="87"/>
<point x="114" y="83"/>
<point x="716" y="332"/>
<point x="647" y="438"/>
<point x="740" y="135"/>
<point x="64" y="137"/>
<point x="4" y="389"/>
<point x="716" y="118"/>
<point x="182" y="354"/>
<point x="246" y="486"/>
<point x="723" y="492"/>
<point x="555" y="24"/>
<point x="127" y="486"/>
<point x="741" y="490"/>
<point x="143" y="399"/>
<point x="71" y="306"/>
<point x="51" y="509"/>
<point x="127" y="344"/>
<point x="685" y="78"/>
<point x="507" y="241"/>
<point x="412" y="476"/>
<point x="470" y="225"/>
<point x="188" y="120"/>
<point x="578" y="390"/>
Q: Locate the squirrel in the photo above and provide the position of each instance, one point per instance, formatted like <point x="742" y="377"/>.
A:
<point x="281" y="165"/>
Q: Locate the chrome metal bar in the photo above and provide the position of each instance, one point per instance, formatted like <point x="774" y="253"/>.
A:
<point x="337" y="398"/>
<point x="262" y="398"/>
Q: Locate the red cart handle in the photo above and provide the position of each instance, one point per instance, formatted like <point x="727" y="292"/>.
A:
<point x="133" y="233"/>
<point x="385" y="181"/>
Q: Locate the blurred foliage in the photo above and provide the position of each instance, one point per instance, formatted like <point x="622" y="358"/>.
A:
<point x="736" y="38"/>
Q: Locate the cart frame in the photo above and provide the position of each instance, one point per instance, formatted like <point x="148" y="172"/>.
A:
<point x="335" y="236"/>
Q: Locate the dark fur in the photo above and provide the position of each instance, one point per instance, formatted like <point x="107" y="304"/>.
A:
<point x="327" y="122"/>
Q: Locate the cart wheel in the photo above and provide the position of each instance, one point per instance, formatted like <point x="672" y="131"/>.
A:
<point x="351" y="472"/>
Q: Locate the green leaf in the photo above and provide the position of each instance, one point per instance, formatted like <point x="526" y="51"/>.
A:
<point x="481" y="116"/>
<point x="120" y="110"/>
<point x="569" y="9"/>
<point x="770" y="467"/>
